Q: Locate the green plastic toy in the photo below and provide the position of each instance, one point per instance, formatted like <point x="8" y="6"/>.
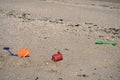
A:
<point x="103" y="42"/>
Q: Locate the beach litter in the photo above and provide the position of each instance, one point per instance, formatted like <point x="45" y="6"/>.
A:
<point x="57" y="57"/>
<point x="21" y="53"/>
<point x="24" y="53"/>
<point x="105" y="42"/>
<point x="10" y="53"/>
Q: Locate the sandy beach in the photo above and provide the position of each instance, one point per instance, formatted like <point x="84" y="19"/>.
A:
<point x="69" y="26"/>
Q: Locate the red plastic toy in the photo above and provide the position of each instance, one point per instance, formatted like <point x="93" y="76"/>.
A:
<point x="57" y="57"/>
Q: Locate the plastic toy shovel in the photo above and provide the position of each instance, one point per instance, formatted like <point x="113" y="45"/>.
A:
<point x="104" y="42"/>
<point x="8" y="49"/>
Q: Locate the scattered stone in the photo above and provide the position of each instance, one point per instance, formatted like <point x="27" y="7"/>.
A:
<point x="51" y="21"/>
<point x="88" y="23"/>
<point x="74" y="25"/>
<point x="67" y="29"/>
<point x="81" y="70"/>
<point x="11" y="13"/>
<point x="36" y="78"/>
<point x="79" y="75"/>
<point x="45" y="37"/>
<point x="112" y="37"/>
<point x="95" y="25"/>
<point x="106" y="30"/>
<point x="93" y="4"/>
<point x="24" y="14"/>
<point x="90" y="30"/>
<point x="114" y="29"/>
<point x="94" y="68"/>
<point x="29" y="19"/>
<point x="60" y="19"/>
<point x="100" y="36"/>
<point x="45" y="19"/>
<point x="84" y="30"/>
<point x="110" y="76"/>
<point x="60" y="78"/>
<point x="84" y="75"/>
<point x="66" y="49"/>
<point x="70" y="25"/>
<point x="88" y="38"/>
<point x="89" y="27"/>
<point x="77" y="25"/>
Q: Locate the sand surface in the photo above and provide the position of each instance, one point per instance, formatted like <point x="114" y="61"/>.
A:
<point x="68" y="26"/>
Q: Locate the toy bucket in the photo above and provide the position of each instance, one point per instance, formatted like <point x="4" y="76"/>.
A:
<point x="57" y="57"/>
<point x="24" y="53"/>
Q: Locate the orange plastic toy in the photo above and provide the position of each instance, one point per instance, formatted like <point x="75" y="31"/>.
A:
<point x="24" y="53"/>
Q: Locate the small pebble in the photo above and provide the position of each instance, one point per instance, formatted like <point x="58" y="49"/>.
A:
<point x="81" y="70"/>
<point x="84" y="75"/>
<point x="110" y="76"/>
<point x="88" y="38"/>
<point x="60" y="78"/>
<point x="100" y="36"/>
<point x="89" y="27"/>
<point x="66" y="49"/>
<point x="60" y="19"/>
<point x="77" y="25"/>
<point x="95" y="25"/>
<point x="94" y="68"/>
<point x="36" y="78"/>
<point x="45" y="37"/>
